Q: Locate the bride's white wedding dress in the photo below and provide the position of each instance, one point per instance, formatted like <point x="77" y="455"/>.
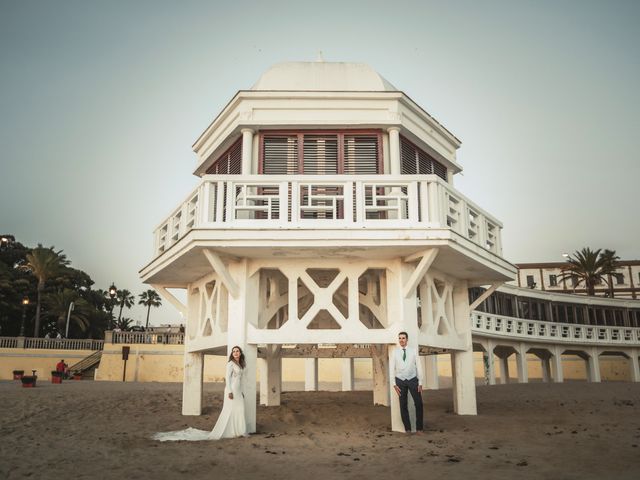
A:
<point x="231" y="422"/>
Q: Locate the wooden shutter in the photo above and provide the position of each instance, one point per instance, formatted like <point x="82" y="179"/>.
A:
<point x="230" y="162"/>
<point x="279" y="154"/>
<point x="416" y="161"/>
<point x="320" y="154"/>
<point x="361" y="154"/>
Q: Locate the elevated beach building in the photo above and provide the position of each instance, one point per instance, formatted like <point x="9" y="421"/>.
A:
<point x="326" y="217"/>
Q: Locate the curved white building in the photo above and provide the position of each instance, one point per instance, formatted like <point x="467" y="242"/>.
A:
<point x="325" y="216"/>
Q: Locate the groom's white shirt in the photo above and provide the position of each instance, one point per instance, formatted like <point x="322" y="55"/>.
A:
<point x="408" y="368"/>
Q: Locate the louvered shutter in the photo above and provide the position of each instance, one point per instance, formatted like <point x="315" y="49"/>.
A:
<point x="361" y="154"/>
<point x="280" y="154"/>
<point x="320" y="154"/>
<point x="416" y="161"/>
<point x="228" y="163"/>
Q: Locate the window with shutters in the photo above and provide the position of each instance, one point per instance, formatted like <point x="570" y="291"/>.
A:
<point x="229" y="163"/>
<point x="321" y="153"/>
<point x="417" y="162"/>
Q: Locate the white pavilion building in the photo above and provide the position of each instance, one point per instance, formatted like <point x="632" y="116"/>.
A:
<point x="324" y="222"/>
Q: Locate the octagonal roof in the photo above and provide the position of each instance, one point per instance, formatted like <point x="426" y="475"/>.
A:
<point x="323" y="77"/>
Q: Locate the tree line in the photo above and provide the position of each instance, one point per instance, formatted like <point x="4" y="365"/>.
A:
<point x="39" y="289"/>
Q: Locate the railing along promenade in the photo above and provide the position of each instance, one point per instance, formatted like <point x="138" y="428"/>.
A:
<point x="482" y="324"/>
<point x="551" y="332"/>
<point x="51" y="343"/>
<point x="322" y="201"/>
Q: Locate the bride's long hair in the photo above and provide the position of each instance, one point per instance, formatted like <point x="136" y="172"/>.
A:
<point x="241" y="361"/>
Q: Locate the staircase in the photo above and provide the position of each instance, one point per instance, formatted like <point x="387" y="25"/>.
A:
<point x="87" y="365"/>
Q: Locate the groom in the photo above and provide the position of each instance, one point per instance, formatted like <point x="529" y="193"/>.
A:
<point x="407" y="370"/>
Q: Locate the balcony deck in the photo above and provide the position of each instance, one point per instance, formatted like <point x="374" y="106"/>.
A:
<point x="309" y="215"/>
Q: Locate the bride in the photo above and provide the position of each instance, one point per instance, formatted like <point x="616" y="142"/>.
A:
<point x="231" y="422"/>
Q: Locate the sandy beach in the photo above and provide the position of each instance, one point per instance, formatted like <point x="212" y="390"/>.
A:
<point x="101" y="430"/>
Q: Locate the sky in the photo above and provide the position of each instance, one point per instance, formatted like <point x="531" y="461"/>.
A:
<point x="100" y="103"/>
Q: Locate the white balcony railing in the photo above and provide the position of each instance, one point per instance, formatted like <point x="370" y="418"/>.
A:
<point x="517" y="328"/>
<point x="316" y="202"/>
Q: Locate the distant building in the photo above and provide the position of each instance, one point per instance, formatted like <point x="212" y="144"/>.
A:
<point x="547" y="276"/>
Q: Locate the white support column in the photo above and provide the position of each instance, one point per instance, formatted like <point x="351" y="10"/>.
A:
<point x="634" y="365"/>
<point x="463" y="381"/>
<point x="394" y="150"/>
<point x="491" y="365"/>
<point x="521" y="362"/>
<point x="558" y="374"/>
<point x="593" y="366"/>
<point x="347" y="374"/>
<point x="504" y="370"/>
<point x="247" y="151"/>
<point x="403" y="310"/>
<point x="546" y="369"/>
<point x="380" y="368"/>
<point x="243" y="309"/>
<point x="431" y="372"/>
<point x="270" y="377"/>
<point x="310" y="374"/>
<point x="192" y="384"/>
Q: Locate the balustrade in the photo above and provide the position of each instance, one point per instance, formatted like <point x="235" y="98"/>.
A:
<point x="315" y="201"/>
<point x="553" y="332"/>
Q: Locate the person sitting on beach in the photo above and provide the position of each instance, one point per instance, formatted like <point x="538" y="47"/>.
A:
<point x="407" y="370"/>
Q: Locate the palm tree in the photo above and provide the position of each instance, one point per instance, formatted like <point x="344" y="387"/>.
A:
<point x="43" y="263"/>
<point x="126" y="299"/>
<point x="124" y="323"/>
<point x="590" y="267"/>
<point x="150" y="298"/>
<point x="58" y="306"/>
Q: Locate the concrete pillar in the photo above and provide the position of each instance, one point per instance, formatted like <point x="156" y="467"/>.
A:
<point x="243" y="309"/>
<point x="634" y="365"/>
<point x="504" y="369"/>
<point x="546" y="369"/>
<point x="558" y="374"/>
<point x="247" y="150"/>
<point x="431" y="372"/>
<point x="192" y="384"/>
<point x="380" y="368"/>
<point x="593" y="366"/>
<point x="270" y="377"/>
<point x="310" y="374"/>
<point x="521" y="362"/>
<point x="394" y="151"/>
<point x="491" y="366"/>
<point x="463" y="381"/>
<point x="404" y="310"/>
<point x="347" y="374"/>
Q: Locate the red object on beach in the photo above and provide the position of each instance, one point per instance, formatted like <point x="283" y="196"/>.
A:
<point x="56" y="379"/>
<point x="29" y="381"/>
<point x="77" y="377"/>
<point x="18" y="376"/>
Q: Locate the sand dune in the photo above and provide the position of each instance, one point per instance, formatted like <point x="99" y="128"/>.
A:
<point x="101" y="430"/>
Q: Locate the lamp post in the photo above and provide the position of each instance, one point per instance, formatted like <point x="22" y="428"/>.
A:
<point x="71" y="307"/>
<point x="113" y="291"/>
<point x="25" y="303"/>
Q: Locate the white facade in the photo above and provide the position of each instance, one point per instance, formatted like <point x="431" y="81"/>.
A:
<point x="546" y="276"/>
<point x="302" y="262"/>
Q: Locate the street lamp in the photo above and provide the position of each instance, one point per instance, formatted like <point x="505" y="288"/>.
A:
<point x="4" y="243"/>
<point x="71" y="307"/>
<point x="25" y="304"/>
<point x="113" y="291"/>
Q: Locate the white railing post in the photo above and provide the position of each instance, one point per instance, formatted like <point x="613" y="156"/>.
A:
<point x="360" y="216"/>
<point x="347" y="189"/>
<point x="283" y="198"/>
<point x="295" y="202"/>
<point x="204" y="202"/>
<point x="412" y="202"/>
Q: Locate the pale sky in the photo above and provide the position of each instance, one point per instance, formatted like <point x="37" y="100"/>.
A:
<point x="100" y="103"/>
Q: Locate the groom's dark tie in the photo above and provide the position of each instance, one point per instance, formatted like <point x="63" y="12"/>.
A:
<point x="404" y="354"/>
